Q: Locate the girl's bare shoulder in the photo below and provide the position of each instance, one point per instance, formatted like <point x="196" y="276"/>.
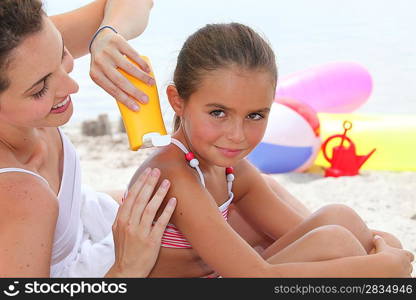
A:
<point x="170" y="161"/>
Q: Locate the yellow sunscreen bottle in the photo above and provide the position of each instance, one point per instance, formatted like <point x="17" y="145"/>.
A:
<point x="145" y="128"/>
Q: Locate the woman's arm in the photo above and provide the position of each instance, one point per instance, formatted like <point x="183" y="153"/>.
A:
<point x="28" y="214"/>
<point x="129" y="17"/>
<point x="108" y="49"/>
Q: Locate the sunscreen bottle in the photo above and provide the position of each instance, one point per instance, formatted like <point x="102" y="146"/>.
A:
<point x="145" y="128"/>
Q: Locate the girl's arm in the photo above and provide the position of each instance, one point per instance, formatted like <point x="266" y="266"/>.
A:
<point x="28" y="214"/>
<point x="377" y="265"/>
<point x="197" y="216"/>
<point x="260" y="205"/>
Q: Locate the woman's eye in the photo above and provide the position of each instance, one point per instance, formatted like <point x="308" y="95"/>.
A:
<point x="42" y="92"/>
<point x="217" y="113"/>
<point x="255" y="116"/>
<point x="44" y="89"/>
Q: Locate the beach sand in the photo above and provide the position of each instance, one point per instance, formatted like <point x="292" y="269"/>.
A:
<point x="385" y="200"/>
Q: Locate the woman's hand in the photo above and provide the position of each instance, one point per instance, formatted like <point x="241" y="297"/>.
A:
<point x="401" y="260"/>
<point x="136" y="240"/>
<point x="108" y="52"/>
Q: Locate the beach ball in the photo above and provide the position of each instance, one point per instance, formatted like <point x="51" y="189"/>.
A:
<point x="291" y="141"/>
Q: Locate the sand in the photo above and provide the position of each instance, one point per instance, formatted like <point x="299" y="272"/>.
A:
<point x="385" y="200"/>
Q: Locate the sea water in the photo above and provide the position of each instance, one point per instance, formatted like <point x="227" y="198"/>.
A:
<point x="378" y="34"/>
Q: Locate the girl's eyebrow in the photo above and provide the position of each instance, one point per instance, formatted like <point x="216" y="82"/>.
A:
<point x="266" y="109"/>
<point x="218" y="106"/>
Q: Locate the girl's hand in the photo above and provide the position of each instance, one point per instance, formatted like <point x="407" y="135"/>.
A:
<point x="136" y="240"/>
<point x="108" y="52"/>
<point x="401" y="259"/>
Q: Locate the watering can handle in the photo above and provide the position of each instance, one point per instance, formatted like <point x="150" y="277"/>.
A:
<point x="341" y="136"/>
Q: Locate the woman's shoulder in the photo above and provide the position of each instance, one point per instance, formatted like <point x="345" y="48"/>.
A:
<point x="22" y="191"/>
<point x="24" y="195"/>
<point x="28" y="211"/>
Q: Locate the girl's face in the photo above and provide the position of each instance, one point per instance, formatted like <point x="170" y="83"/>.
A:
<point x="227" y="116"/>
<point x="40" y="88"/>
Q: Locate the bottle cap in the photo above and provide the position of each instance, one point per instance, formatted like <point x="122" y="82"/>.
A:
<point x="155" y="139"/>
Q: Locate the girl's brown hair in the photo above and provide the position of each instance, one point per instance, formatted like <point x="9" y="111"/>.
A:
<point x="18" y="18"/>
<point x="217" y="46"/>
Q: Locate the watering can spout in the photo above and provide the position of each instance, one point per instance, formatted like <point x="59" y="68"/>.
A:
<point x="361" y="159"/>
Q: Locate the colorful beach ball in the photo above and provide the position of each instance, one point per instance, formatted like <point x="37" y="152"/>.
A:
<point x="291" y="141"/>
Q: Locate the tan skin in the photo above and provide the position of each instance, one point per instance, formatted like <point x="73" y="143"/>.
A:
<point x="129" y="18"/>
<point x="29" y="139"/>
<point x="229" y="111"/>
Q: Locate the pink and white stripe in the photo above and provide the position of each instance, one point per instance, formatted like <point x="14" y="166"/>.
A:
<point x="173" y="238"/>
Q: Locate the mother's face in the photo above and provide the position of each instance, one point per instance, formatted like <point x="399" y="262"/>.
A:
<point x="40" y="87"/>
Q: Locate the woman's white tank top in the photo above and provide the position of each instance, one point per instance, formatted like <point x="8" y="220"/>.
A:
<point x="68" y="232"/>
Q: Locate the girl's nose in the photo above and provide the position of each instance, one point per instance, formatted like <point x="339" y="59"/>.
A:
<point x="235" y="131"/>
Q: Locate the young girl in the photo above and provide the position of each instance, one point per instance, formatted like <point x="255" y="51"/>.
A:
<point x="224" y="85"/>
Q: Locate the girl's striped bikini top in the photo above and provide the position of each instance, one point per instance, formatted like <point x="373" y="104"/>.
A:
<point x="172" y="237"/>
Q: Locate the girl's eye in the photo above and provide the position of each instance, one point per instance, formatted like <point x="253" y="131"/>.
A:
<point x="217" y="113"/>
<point x="43" y="91"/>
<point x="255" y="116"/>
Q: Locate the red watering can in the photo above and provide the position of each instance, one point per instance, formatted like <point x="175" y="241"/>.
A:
<point x="344" y="161"/>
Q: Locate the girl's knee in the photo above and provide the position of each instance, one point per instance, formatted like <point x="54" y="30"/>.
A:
<point x="332" y="234"/>
<point x="337" y="214"/>
<point x="338" y="241"/>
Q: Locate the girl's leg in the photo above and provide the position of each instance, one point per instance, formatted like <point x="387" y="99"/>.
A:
<point x="334" y="214"/>
<point x="253" y="236"/>
<point x="322" y="243"/>
<point x="259" y="240"/>
<point x="285" y="196"/>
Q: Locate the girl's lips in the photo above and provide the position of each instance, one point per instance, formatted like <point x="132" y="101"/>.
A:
<point x="62" y="108"/>
<point x="229" y="152"/>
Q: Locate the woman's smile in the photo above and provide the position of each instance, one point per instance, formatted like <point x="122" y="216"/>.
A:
<point x="61" y="106"/>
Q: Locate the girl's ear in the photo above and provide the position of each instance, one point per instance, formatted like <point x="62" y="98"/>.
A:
<point x="176" y="102"/>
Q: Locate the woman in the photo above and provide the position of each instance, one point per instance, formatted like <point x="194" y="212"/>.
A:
<point x="43" y="211"/>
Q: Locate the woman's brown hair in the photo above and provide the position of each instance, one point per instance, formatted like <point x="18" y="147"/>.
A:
<point x="18" y="19"/>
<point x="217" y="46"/>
